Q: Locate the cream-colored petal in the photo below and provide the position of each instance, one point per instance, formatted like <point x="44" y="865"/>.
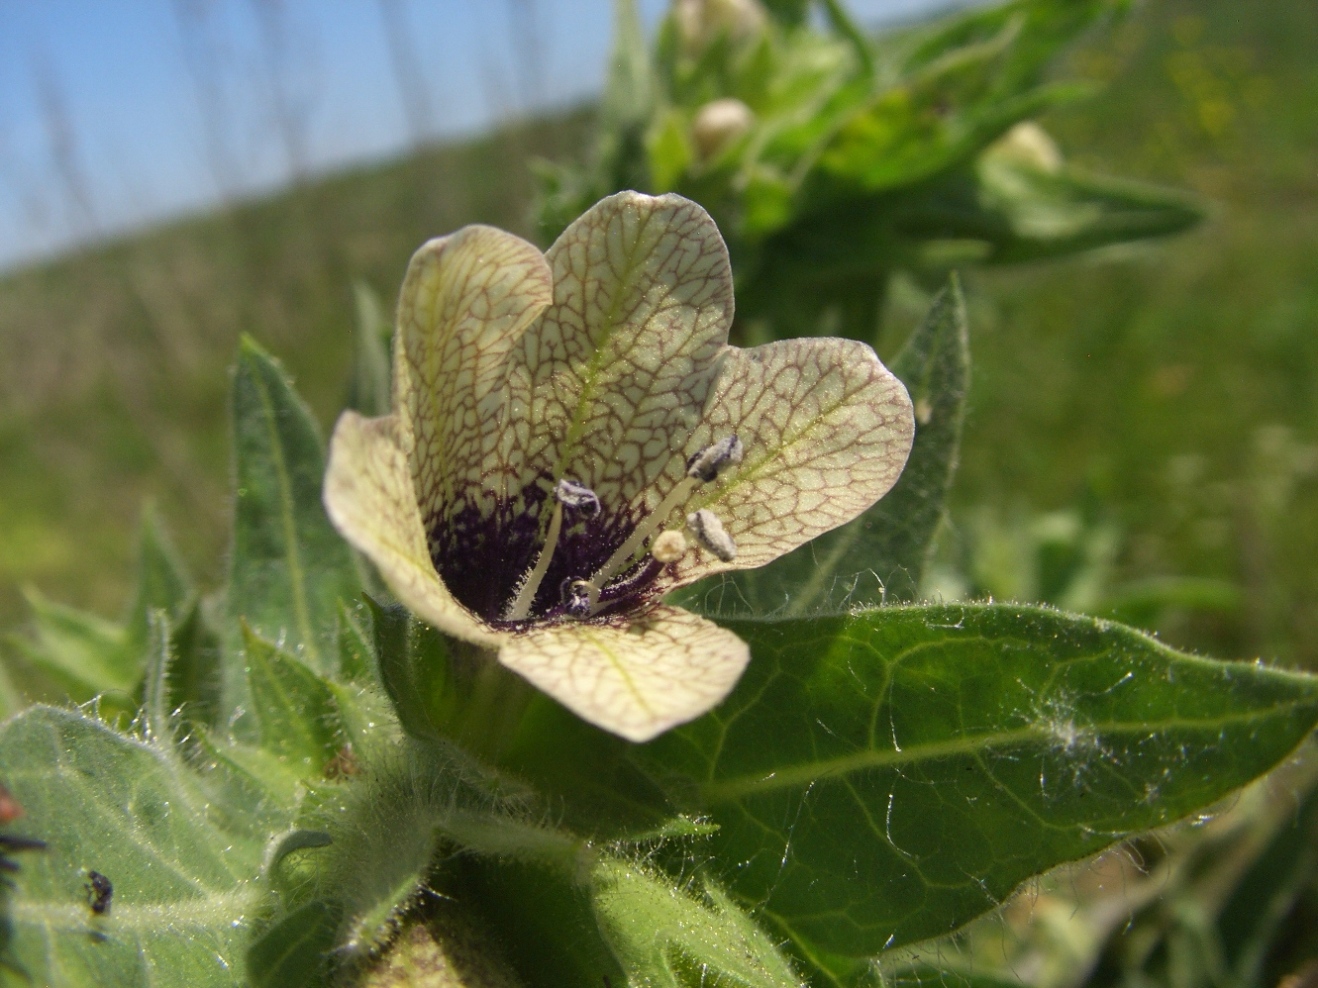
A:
<point x="466" y="300"/>
<point x="667" y="667"/>
<point x="369" y="498"/>
<point x="606" y="387"/>
<point x="826" y="430"/>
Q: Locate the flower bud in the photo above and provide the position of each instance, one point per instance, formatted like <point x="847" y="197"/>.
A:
<point x="1028" y="144"/>
<point x="718" y="124"/>
<point x="701" y="22"/>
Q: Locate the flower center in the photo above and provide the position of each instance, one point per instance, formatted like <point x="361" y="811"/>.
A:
<point x="593" y="560"/>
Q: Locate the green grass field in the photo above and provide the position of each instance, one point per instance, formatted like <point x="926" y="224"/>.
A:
<point x="1165" y="393"/>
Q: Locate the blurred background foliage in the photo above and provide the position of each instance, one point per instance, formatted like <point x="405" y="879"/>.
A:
<point x="1141" y="439"/>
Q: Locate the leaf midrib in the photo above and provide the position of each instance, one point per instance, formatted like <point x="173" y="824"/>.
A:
<point x="156" y="918"/>
<point x="795" y="776"/>
<point x="296" y="577"/>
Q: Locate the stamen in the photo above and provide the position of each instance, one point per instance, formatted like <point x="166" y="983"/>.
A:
<point x="623" y="555"/>
<point x="711" y="534"/>
<point x="520" y="608"/>
<point x="580" y="499"/>
<point x="669" y="546"/>
<point x="713" y="460"/>
<point x="703" y="467"/>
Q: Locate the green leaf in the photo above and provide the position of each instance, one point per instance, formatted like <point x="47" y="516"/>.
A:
<point x="669" y="150"/>
<point x="294" y="709"/>
<point x="162" y="582"/>
<point x="91" y="657"/>
<point x="629" y="94"/>
<point x="935" y="367"/>
<point x="288" y="568"/>
<point x="196" y="680"/>
<point x="884" y="777"/>
<point x="598" y="917"/>
<point x="670" y="938"/>
<point x="1036" y="32"/>
<point x="87" y="655"/>
<point x="183" y="897"/>
<point x="157" y="710"/>
<point x="293" y="952"/>
<point x="414" y="670"/>
<point x="882" y="554"/>
<point x="371" y="392"/>
<point x="356" y="650"/>
<point x="546" y="920"/>
<point x="368" y="847"/>
<point x="248" y="791"/>
<point x="1011" y="211"/>
<point x="11" y="701"/>
<point x="1032" y="213"/>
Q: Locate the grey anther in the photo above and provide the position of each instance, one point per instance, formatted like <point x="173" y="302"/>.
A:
<point x="578" y="497"/>
<point x="714" y="459"/>
<point x="711" y="534"/>
<point x="576" y="597"/>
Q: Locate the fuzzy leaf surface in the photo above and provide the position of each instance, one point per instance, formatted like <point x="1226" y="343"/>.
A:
<point x="884" y="777"/>
<point x="294" y="709"/>
<point x="162" y="581"/>
<point x="669" y="938"/>
<point x="85" y="654"/>
<point x="183" y="895"/>
<point x="288" y="568"/>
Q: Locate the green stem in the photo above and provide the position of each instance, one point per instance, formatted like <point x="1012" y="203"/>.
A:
<point x="845" y="26"/>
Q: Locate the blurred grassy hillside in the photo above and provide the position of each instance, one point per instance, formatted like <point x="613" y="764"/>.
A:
<point x="114" y="381"/>
<point x="1174" y="391"/>
<point x="1167" y="394"/>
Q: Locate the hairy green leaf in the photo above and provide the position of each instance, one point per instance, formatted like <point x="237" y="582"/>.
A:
<point x="546" y="920"/>
<point x="367" y="849"/>
<point x="294" y="709"/>
<point x="156" y="711"/>
<point x="885" y="777"/>
<point x="183" y="896"/>
<point x="356" y="650"/>
<point x="414" y="669"/>
<point x="605" y="919"/>
<point x="293" y="952"/>
<point x="195" y="676"/>
<point x="87" y="655"/>
<point x="162" y="582"/>
<point x="671" y="938"/>
<point x="288" y="567"/>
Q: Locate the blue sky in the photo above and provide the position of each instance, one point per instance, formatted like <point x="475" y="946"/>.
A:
<point x="119" y="113"/>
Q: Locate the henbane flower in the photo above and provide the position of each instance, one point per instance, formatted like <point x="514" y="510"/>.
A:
<point x="572" y="437"/>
